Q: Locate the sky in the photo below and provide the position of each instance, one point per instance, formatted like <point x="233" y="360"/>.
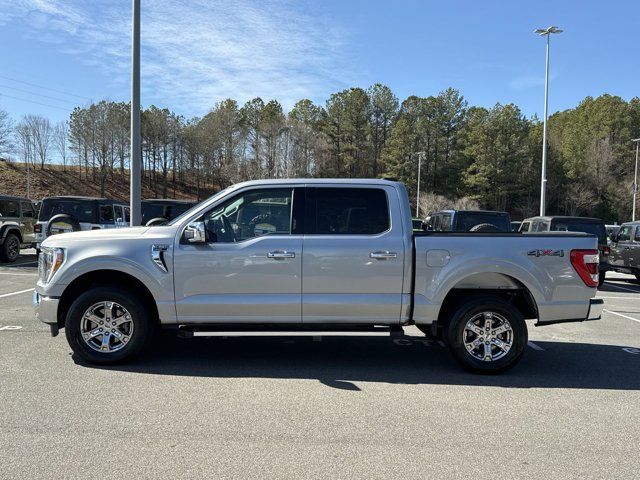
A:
<point x="56" y="54"/>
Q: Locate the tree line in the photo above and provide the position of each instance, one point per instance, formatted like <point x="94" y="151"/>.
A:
<point x="468" y="155"/>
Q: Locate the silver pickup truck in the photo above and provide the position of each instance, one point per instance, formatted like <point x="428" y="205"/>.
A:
<point x="312" y="257"/>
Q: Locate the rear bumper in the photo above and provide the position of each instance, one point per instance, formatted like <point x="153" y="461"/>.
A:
<point x="596" y="305"/>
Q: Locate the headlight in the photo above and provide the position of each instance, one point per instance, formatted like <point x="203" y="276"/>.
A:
<point x="49" y="262"/>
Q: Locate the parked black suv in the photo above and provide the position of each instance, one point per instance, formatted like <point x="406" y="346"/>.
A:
<point x="625" y="249"/>
<point x="594" y="226"/>
<point x="469" y="221"/>
<point x="17" y="220"/>
<point x="158" y="211"/>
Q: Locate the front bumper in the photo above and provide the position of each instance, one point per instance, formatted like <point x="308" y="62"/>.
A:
<point x="46" y="309"/>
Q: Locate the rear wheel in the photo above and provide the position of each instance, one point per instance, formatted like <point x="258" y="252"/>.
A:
<point x="10" y="249"/>
<point x="487" y="335"/>
<point x="107" y="325"/>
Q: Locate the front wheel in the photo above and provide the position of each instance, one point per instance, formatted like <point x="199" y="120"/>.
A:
<point x="10" y="249"/>
<point x="487" y="335"/>
<point x="107" y="325"/>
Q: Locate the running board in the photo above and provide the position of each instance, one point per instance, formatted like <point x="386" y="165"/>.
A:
<point x="188" y="331"/>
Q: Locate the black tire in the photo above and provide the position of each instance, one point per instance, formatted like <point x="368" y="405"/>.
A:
<point x="156" y="221"/>
<point x="138" y="340"/>
<point x="62" y="218"/>
<point x="484" y="228"/>
<point x="10" y="249"/>
<point x="637" y="277"/>
<point x="601" y="278"/>
<point x="500" y="308"/>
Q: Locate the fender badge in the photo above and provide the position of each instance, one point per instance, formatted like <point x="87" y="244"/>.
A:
<point x="546" y="253"/>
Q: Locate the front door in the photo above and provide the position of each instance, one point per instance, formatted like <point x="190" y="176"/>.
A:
<point x="353" y="262"/>
<point x="620" y="249"/>
<point x="250" y="269"/>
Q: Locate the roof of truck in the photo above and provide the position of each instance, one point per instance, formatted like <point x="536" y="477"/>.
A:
<point x="564" y="217"/>
<point x="355" y="181"/>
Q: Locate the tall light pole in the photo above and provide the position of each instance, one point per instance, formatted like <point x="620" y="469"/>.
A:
<point x="418" y="192"/>
<point x="134" y="167"/>
<point x="545" y="32"/>
<point x="635" y="181"/>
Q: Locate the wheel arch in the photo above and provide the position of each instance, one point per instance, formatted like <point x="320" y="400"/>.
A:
<point x="11" y="228"/>
<point x="498" y="285"/>
<point x="105" y="277"/>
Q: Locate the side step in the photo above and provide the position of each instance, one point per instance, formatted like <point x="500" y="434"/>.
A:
<point x="322" y="330"/>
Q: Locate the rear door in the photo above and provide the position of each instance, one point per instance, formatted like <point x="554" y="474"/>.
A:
<point x="620" y="249"/>
<point x="28" y="222"/>
<point x="353" y="257"/>
<point x="633" y="259"/>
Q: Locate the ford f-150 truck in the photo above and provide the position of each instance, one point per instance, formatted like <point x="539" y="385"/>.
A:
<point x="312" y="257"/>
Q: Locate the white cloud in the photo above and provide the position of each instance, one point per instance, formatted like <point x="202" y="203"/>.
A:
<point x="198" y="52"/>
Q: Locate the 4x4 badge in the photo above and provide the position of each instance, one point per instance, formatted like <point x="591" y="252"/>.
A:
<point x="546" y="253"/>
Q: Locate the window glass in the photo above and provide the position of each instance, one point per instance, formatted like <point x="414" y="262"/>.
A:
<point x="9" y="208"/>
<point x="467" y="220"/>
<point x="525" y="226"/>
<point x="350" y="211"/>
<point x="593" y="228"/>
<point x="106" y="213"/>
<point x="637" y="236"/>
<point x="127" y="214"/>
<point x="251" y="214"/>
<point x="625" y="234"/>
<point x="83" y="211"/>
<point x="445" y="226"/>
<point x="27" y="209"/>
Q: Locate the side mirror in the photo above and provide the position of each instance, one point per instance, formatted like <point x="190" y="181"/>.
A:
<point x="195" y="233"/>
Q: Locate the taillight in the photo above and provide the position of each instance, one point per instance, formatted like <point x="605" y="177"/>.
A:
<point x="606" y="251"/>
<point x="585" y="263"/>
<point x="37" y="228"/>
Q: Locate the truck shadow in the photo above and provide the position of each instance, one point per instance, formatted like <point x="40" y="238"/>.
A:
<point x="343" y="362"/>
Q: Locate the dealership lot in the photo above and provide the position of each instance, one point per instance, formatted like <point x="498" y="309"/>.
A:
<point x="320" y="407"/>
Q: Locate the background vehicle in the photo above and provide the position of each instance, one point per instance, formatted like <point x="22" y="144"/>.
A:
<point x="469" y="221"/>
<point x="612" y="230"/>
<point x="417" y="224"/>
<point x="159" y="211"/>
<point x="515" y="226"/>
<point x="17" y="221"/>
<point x="71" y="214"/>
<point x="312" y="256"/>
<point x="625" y="250"/>
<point x="594" y="226"/>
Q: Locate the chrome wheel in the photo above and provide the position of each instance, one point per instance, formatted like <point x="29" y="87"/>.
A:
<point x="488" y="336"/>
<point x="106" y="327"/>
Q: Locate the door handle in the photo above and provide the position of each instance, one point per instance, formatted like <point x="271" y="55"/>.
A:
<point x="281" y="254"/>
<point x="383" y="255"/>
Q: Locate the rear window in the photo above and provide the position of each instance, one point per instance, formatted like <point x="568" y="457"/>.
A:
<point x="594" y="228"/>
<point x="83" y="211"/>
<point x="348" y="211"/>
<point x="467" y="220"/>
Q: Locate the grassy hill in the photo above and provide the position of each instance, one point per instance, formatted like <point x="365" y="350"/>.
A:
<point x="53" y="180"/>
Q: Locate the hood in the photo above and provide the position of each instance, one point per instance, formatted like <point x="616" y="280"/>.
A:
<point x="103" y="235"/>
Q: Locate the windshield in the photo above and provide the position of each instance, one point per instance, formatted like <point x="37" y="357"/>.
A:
<point x="594" y="228"/>
<point x="81" y="210"/>
<point x="179" y="218"/>
<point x="467" y="220"/>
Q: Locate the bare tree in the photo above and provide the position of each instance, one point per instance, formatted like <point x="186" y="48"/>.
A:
<point x="61" y="142"/>
<point x="41" y="133"/>
<point x="6" y="131"/>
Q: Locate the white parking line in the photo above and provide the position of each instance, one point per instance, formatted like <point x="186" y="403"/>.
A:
<point x="20" y="274"/>
<point x="621" y="315"/>
<point x="622" y="288"/>
<point x="536" y="347"/>
<point x="17" y="293"/>
<point x="621" y="298"/>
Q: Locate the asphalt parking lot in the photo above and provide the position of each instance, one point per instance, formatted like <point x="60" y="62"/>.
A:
<point x="320" y="408"/>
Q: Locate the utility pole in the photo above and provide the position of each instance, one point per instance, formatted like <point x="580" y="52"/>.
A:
<point x="418" y="192"/>
<point x="134" y="166"/>
<point x="545" y="32"/>
<point x="635" y="181"/>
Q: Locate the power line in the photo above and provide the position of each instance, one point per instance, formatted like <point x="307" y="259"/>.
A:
<point x="42" y="86"/>
<point x="40" y="95"/>
<point x="33" y="101"/>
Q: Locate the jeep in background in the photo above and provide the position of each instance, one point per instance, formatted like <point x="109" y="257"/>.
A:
<point x="481" y="221"/>
<point x="158" y="211"/>
<point x="72" y="214"/>
<point x="594" y="226"/>
<point x="625" y="249"/>
<point x="17" y="221"/>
